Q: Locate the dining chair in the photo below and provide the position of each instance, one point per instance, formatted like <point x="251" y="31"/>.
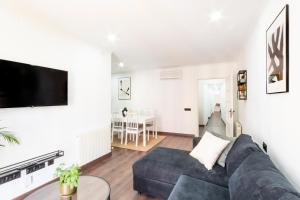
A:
<point x="133" y="129"/>
<point x="117" y="127"/>
<point x="150" y="125"/>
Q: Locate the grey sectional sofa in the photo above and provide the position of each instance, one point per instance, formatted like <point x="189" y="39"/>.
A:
<point x="249" y="174"/>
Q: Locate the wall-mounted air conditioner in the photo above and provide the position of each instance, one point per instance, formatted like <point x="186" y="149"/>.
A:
<point x="171" y="74"/>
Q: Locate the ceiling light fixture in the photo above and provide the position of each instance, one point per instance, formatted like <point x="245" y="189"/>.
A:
<point x="112" y="38"/>
<point x="215" y="16"/>
<point x="121" y="64"/>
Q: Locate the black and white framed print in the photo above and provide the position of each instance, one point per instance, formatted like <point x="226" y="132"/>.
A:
<point x="124" y="88"/>
<point x="277" y="66"/>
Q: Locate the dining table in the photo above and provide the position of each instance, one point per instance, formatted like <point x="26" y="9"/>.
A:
<point x="145" y="119"/>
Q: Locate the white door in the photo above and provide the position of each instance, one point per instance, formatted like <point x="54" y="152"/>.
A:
<point x="230" y="105"/>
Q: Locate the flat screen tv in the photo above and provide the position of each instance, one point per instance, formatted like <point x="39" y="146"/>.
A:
<point x="24" y="85"/>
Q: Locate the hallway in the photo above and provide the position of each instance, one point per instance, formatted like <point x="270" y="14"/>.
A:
<point x="215" y="124"/>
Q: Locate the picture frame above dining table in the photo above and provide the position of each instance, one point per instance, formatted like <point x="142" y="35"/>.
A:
<point x="124" y="88"/>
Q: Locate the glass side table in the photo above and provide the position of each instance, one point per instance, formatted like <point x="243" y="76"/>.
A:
<point x="89" y="187"/>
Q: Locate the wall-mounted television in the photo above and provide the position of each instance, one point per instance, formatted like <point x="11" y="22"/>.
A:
<point x="24" y="85"/>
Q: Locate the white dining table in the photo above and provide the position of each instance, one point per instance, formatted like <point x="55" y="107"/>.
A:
<point x="145" y="119"/>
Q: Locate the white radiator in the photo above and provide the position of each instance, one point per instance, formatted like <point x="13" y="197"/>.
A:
<point x="93" y="145"/>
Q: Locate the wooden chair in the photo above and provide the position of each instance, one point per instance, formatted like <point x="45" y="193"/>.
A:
<point x="117" y="127"/>
<point x="133" y="129"/>
<point x="150" y="125"/>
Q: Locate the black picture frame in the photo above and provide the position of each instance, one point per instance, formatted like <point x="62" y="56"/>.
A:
<point x="242" y="85"/>
<point x="284" y="86"/>
<point x="120" y="97"/>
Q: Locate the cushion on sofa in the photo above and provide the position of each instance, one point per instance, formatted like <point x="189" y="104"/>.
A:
<point x="188" y="188"/>
<point x="196" y="140"/>
<point x="223" y="156"/>
<point x="258" y="179"/>
<point x="221" y="160"/>
<point x="241" y="149"/>
<point x="164" y="164"/>
<point x="209" y="149"/>
<point x="217" y="175"/>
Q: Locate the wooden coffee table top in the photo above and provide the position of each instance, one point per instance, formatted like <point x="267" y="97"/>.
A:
<point x="89" y="187"/>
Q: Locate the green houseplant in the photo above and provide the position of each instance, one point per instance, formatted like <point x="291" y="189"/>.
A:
<point x="8" y="137"/>
<point x="68" y="179"/>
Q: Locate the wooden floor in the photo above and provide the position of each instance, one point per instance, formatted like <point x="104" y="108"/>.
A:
<point x="117" y="169"/>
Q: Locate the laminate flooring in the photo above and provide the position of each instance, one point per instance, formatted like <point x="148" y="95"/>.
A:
<point x="117" y="169"/>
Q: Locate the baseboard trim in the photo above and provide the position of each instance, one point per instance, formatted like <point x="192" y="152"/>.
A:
<point x="83" y="168"/>
<point x="176" y="134"/>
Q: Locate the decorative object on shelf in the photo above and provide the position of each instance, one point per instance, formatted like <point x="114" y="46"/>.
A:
<point x="277" y="66"/>
<point x="68" y="179"/>
<point x="124" y="112"/>
<point x="8" y="137"/>
<point x="124" y="88"/>
<point x="242" y="84"/>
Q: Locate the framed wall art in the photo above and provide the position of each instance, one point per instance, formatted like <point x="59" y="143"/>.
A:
<point x="277" y="62"/>
<point x="242" y="84"/>
<point x="124" y="92"/>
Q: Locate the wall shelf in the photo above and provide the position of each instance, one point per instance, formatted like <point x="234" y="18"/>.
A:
<point x="242" y="84"/>
<point x="12" y="172"/>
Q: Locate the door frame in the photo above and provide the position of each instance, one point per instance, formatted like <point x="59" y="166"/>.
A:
<point x="229" y="80"/>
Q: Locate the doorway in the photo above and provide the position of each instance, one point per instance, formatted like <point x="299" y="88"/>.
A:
<point x="212" y="105"/>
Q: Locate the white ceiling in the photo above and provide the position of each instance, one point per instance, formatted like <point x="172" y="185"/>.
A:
<point x="153" y="33"/>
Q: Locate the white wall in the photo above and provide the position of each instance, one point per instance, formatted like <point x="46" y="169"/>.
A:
<point x="207" y="103"/>
<point x="45" y="129"/>
<point x="200" y="91"/>
<point x="273" y="118"/>
<point x="168" y="98"/>
<point x="224" y="112"/>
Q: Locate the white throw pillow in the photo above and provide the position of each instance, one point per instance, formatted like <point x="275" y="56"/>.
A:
<point x="209" y="149"/>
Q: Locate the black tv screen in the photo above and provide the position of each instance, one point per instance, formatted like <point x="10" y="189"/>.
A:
<point x="24" y="85"/>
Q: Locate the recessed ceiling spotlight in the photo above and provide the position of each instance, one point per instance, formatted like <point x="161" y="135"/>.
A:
<point x="112" y="38"/>
<point x="215" y="16"/>
<point x="121" y="64"/>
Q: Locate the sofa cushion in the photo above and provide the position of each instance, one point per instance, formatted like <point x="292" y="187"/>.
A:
<point x="241" y="149"/>
<point x="188" y="188"/>
<point x="221" y="160"/>
<point x="152" y="188"/>
<point x="196" y="140"/>
<point x="217" y="175"/>
<point x="209" y="149"/>
<point x="164" y="164"/>
<point x="257" y="178"/>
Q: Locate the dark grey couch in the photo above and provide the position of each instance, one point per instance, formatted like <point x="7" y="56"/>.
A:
<point x="249" y="175"/>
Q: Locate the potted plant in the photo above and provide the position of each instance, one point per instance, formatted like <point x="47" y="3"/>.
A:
<point x="68" y="179"/>
<point x="8" y="137"/>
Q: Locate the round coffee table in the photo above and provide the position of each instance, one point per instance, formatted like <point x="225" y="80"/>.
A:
<point x="89" y="187"/>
